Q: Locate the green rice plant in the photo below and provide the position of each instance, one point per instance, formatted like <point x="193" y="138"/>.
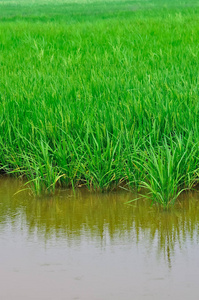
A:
<point x="170" y="169"/>
<point x="101" y="166"/>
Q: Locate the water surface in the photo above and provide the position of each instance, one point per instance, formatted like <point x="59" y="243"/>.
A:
<point x="94" y="247"/>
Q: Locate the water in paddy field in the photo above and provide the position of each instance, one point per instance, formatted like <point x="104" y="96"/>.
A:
<point x="95" y="247"/>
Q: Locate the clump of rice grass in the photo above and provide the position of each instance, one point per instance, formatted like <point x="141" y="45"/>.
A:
<point x="169" y="169"/>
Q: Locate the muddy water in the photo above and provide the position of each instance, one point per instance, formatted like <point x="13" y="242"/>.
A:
<point x="95" y="247"/>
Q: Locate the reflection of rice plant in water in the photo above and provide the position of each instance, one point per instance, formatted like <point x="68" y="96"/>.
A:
<point x="102" y="218"/>
<point x="103" y="96"/>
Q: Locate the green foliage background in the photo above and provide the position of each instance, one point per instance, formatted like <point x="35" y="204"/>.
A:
<point x="100" y="93"/>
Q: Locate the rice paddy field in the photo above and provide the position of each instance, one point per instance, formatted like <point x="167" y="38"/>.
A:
<point x="101" y="94"/>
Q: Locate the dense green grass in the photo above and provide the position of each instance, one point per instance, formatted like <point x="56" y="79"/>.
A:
<point x="101" y="94"/>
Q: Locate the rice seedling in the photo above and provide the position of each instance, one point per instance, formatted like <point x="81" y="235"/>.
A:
<point x="169" y="169"/>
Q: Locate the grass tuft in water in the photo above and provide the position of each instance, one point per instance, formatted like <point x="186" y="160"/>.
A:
<point x="169" y="169"/>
